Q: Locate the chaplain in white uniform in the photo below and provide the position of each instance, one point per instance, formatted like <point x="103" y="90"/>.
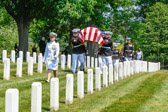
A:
<point x="78" y="52"/>
<point x="51" y="55"/>
<point x="105" y="52"/>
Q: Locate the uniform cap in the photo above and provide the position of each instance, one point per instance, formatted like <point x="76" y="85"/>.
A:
<point x="128" y="39"/>
<point x="52" y="34"/>
<point x="108" y="32"/>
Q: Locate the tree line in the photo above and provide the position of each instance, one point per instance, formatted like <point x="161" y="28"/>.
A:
<point x="145" y="21"/>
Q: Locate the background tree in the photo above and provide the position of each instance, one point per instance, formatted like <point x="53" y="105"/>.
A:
<point x="154" y="33"/>
<point x="23" y="12"/>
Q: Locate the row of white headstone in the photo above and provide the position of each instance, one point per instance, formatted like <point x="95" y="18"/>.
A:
<point x="152" y="67"/>
<point x="110" y="74"/>
<point x="13" y="56"/>
<point x="30" y="61"/>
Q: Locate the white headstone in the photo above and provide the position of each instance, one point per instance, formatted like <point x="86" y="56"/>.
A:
<point x="63" y="62"/>
<point x="34" y="57"/>
<point x="120" y="69"/>
<point x="40" y="64"/>
<point x="69" y="62"/>
<point x="131" y="68"/>
<point x="4" y="55"/>
<point x="21" y="55"/>
<point x="36" y="97"/>
<point x="128" y="69"/>
<point x="19" y="67"/>
<point x="88" y="61"/>
<point x="6" y="75"/>
<point x="96" y="65"/>
<point x="30" y="66"/>
<point x="105" y="76"/>
<point x="92" y="62"/>
<point x="54" y="94"/>
<point x="12" y="100"/>
<point x="110" y="74"/>
<point x="115" y="72"/>
<point x="80" y="84"/>
<point x="69" y="89"/>
<point x="13" y="56"/>
<point x="97" y="79"/>
<point x="89" y="81"/>
<point x="125" y="69"/>
<point x="27" y="56"/>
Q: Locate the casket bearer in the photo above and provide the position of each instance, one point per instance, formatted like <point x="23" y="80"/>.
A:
<point x="51" y="55"/>
<point x="105" y="52"/>
<point x="116" y="55"/>
<point x="78" y="52"/>
<point x="128" y="50"/>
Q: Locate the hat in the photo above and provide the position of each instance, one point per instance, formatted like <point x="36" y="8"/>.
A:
<point x="75" y="30"/>
<point x="108" y="32"/>
<point x="78" y="30"/>
<point x="128" y="39"/>
<point x="115" y="45"/>
<point x="52" y="34"/>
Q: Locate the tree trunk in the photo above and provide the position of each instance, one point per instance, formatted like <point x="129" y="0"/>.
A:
<point x="23" y="31"/>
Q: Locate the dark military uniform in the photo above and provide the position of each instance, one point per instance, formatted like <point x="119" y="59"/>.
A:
<point x="128" y="51"/>
<point x="78" y="53"/>
<point x="106" y="49"/>
<point x="105" y="53"/>
<point x="78" y="47"/>
<point x="116" y="56"/>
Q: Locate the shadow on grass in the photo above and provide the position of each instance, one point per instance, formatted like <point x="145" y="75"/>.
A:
<point x="69" y="71"/>
<point x="63" y="102"/>
<point x="45" y="108"/>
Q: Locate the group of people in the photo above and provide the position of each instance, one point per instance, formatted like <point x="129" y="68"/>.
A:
<point x="106" y="54"/>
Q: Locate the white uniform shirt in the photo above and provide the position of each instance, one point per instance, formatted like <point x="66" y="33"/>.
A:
<point x="51" y="55"/>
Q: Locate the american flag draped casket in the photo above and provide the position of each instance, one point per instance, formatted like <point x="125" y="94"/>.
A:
<point x="91" y="34"/>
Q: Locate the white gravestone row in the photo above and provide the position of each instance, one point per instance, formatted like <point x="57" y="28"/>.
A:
<point x="152" y="67"/>
<point x="12" y="95"/>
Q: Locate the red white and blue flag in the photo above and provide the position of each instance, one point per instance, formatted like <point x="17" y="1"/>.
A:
<point x="91" y="34"/>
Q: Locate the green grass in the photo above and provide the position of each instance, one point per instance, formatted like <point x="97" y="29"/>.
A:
<point x="143" y="92"/>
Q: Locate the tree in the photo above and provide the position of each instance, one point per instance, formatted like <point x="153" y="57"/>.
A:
<point x="154" y="32"/>
<point x="23" y="12"/>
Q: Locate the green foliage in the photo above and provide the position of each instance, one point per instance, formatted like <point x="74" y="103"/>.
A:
<point x="154" y="32"/>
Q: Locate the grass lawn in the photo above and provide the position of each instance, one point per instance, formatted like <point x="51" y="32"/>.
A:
<point x="143" y="92"/>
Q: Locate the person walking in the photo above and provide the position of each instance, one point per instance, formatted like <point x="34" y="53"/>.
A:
<point x="128" y="50"/>
<point x="42" y="45"/>
<point x="78" y="52"/>
<point x="139" y="54"/>
<point x="105" y="52"/>
<point x="51" y="56"/>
